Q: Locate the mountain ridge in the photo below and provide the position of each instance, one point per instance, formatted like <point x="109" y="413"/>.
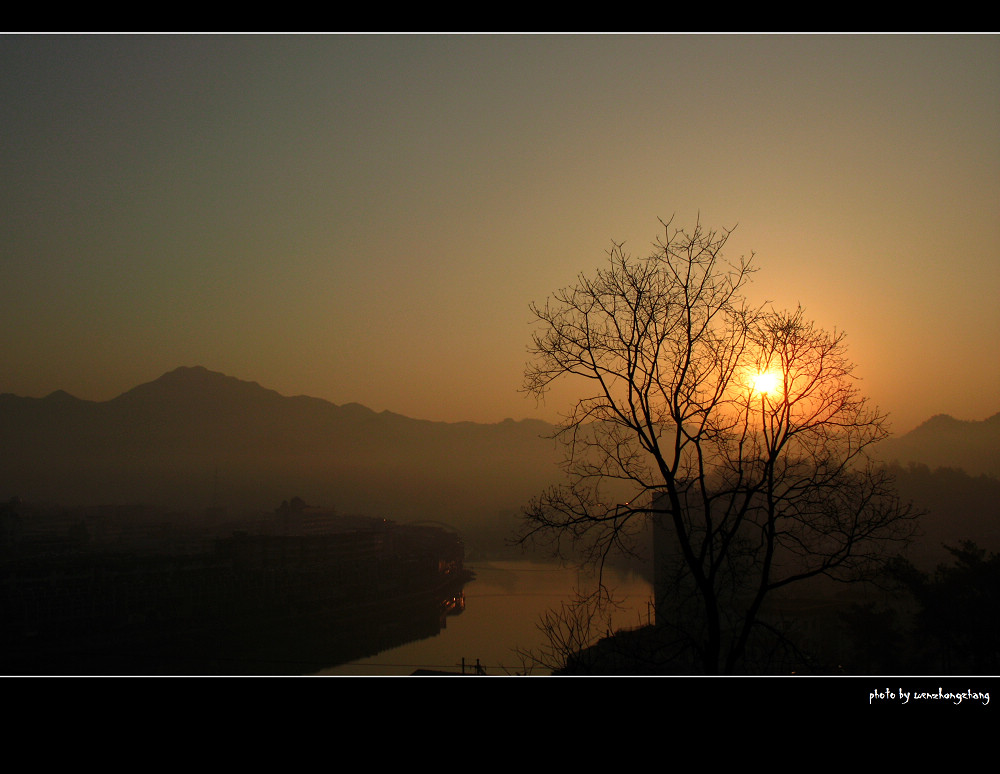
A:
<point x="944" y="441"/>
<point x="188" y="378"/>
<point x="196" y="438"/>
<point x="166" y="443"/>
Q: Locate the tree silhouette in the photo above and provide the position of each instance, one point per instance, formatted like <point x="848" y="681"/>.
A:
<point x="737" y="429"/>
<point x="957" y="624"/>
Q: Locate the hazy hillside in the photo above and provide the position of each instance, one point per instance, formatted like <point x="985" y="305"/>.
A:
<point x="950" y="469"/>
<point x="944" y="441"/>
<point x="956" y="507"/>
<point x="194" y="438"/>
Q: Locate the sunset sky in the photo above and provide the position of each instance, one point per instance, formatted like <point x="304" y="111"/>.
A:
<point x="366" y="218"/>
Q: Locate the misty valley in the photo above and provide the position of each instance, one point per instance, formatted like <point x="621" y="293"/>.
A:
<point x="204" y="525"/>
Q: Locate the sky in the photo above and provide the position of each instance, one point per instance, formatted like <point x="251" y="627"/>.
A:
<point x="366" y="218"/>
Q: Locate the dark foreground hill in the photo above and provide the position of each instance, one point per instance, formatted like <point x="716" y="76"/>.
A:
<point x="194" y="439"/>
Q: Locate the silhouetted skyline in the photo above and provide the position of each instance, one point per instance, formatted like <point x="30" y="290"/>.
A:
<point x="366" y="218"/>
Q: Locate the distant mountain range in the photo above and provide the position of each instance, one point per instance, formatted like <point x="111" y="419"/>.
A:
<point x="945" y="442"/>
<point x="195" y="439"/>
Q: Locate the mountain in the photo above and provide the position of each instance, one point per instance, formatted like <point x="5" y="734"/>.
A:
<point x="943" y="441"/>
<point x="950" y="470"/>
<point x="195" y="438"/>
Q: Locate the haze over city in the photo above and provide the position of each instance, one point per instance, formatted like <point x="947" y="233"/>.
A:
<point x="366" y="218"/>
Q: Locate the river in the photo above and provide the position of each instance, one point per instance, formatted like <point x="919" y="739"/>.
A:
<point x="503" y="607"/>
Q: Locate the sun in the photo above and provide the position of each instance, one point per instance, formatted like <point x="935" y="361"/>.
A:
<point x="766" y="382"/>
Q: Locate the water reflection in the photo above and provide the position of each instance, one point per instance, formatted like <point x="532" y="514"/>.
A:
<point x="503" y="606"/>
<point x="282" y="596"/>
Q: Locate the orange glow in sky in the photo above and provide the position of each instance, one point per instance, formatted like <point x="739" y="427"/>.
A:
<point x="366" y="218"/>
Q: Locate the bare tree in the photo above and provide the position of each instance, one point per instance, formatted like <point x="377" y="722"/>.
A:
<point x="568" y="632"/>
<point x="737" y="429"/>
